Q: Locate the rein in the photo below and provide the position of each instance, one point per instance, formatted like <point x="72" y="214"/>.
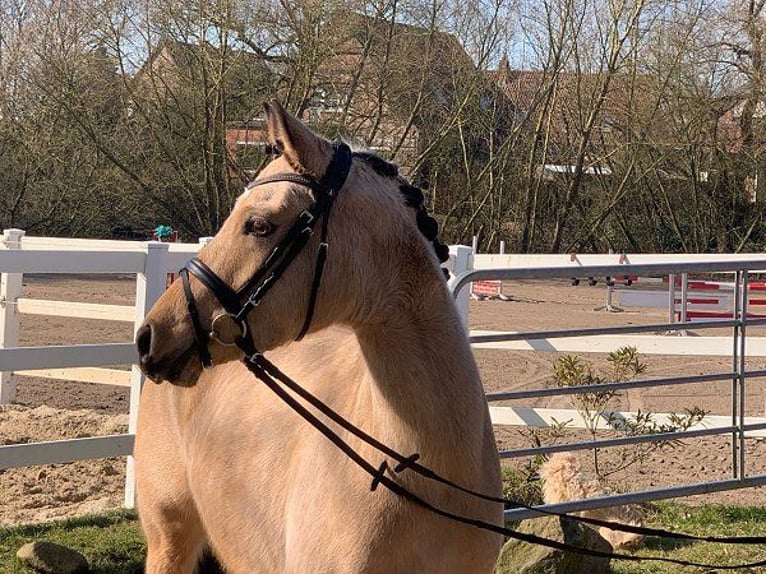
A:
<point x="326" y="190"/>
<point x="273" y="378"/>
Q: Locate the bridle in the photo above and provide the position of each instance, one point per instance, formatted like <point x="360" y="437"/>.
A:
<point x="282" y="255"/>
<point x="326" y="190"/>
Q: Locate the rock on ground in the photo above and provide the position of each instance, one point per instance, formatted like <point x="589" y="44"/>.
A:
<point x="51" y="558"/>
<point x="518" y="557"/>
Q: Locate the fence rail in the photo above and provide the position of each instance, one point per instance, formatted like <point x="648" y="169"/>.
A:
<point x="150" y="262"/>
<point x="60" y="451"/>
<point x="74" y="310"/>
<point x="62" y="356"/>
<point x="82" y="375"/>
<point x="738" y="346"/>
<point x="45" y="261"/>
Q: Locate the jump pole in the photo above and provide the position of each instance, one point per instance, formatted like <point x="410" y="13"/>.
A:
<point x="684" y="295"/>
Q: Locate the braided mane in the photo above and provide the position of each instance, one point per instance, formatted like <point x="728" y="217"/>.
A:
<point x="413" y="197"/>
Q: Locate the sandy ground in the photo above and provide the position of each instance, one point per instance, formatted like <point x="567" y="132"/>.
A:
<point x="556" y="305"/>
<point x="49" y="410"/>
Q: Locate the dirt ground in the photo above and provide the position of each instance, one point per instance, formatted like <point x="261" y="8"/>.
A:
<point x="50" y="410"/>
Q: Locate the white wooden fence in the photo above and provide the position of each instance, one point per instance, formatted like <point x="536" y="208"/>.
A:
<point x="151" y="261"/>
<point x="19" y="254"/>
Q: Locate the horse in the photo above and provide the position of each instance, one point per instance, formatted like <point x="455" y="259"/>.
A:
<point x="223" y="464"/>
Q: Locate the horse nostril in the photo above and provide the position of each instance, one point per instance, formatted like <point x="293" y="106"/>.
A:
<point x="144" y="341"/>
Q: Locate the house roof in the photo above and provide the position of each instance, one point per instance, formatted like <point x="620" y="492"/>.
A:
<point x="573" y="92"/>
<point x="188" y="56"/>
<point x="246" y="76"/>
<point x="631" y="105"/>
<point x="398" y="57"/>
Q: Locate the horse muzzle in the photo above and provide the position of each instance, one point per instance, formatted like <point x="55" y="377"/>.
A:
<point x="178" y="370"/>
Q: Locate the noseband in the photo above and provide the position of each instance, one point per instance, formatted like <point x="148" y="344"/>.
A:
<point x="326" y="189"/>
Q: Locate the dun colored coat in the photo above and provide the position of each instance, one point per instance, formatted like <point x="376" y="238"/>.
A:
<point x="221" y="462"/>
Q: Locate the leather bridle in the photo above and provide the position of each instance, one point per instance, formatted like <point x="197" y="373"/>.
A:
<point x="284" y="253"/>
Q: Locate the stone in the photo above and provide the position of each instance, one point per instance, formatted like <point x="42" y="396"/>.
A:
<point x="51" y="558"/>
<point x="518" y="557"/>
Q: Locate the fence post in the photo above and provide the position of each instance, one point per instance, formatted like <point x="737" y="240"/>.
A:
<point x="149" y="286"/>
<point x="10" y="290"/>
<point x="461" y="264"/>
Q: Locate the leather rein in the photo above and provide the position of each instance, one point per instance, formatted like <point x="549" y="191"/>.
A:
<point x="326" y="189"/>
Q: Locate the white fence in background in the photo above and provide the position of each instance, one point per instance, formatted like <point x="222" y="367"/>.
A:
<point x="739" y="346"/>
<point x="150" y="262"/>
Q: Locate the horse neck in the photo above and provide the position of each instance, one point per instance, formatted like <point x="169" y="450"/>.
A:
<point x="423" y="383"/>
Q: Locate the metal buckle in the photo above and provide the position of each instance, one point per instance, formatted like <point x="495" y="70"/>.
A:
<point x="215" y="335"/>
<point x="311" y="217"/>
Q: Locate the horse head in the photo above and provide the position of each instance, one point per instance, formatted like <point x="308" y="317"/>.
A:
<point x="322" y="236"/>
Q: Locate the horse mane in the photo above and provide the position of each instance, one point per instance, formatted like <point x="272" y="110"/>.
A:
<point x="413" y="197"/>
<point x="379" y="165"/>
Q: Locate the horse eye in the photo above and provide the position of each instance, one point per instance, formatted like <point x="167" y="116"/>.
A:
<point x="258" y="227"/>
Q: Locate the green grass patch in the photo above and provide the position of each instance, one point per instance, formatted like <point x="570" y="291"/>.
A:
<point x="712" y="520"/>
<point x="112" y="543"/>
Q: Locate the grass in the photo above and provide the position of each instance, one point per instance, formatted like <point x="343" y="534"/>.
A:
<point x="711" y="520"/>
<point x="112" y="543"/>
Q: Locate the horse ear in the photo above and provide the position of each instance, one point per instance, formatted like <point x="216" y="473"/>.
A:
<point x="306" y="151"/>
